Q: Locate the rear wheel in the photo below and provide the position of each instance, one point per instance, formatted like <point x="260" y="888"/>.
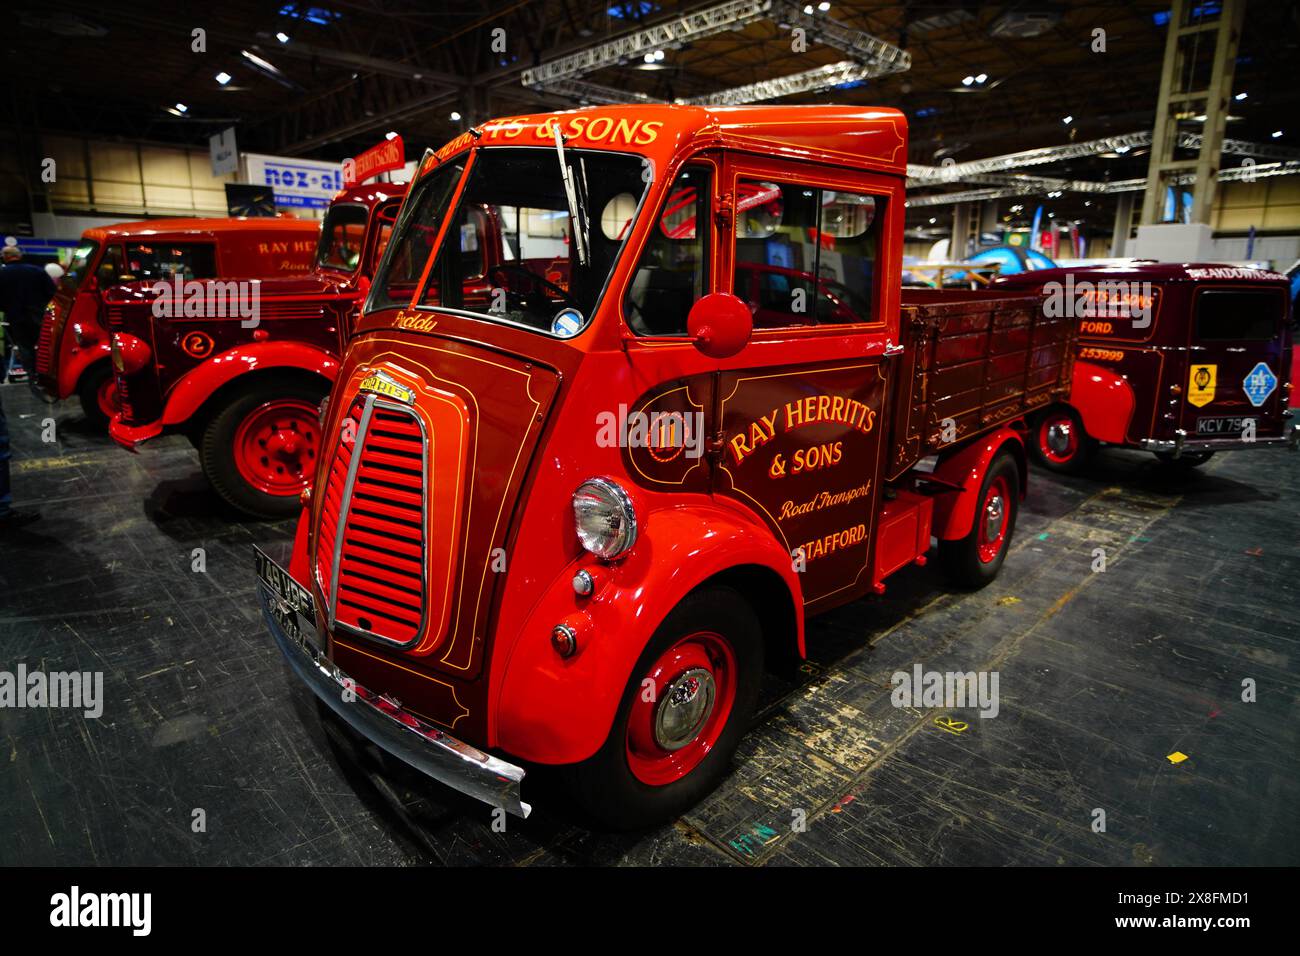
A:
<point x="260" y="450"/>
<point x="974" y="561"/>
<point x="97" y="392"/>
<point x="1060" y="444"/>
<point x="686" y="707"/>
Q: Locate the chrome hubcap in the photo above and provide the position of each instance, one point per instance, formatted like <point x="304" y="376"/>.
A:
<point x="1058" y="437"/>
<point x="993" y="516"/>
<point x="683" y="708"/>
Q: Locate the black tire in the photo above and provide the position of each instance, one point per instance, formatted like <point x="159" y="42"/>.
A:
<point x="1186" y="461"/>
<point x="604" y="787"/>
<point x="961" y="559"/>
<point x="217" y="453"/>
<point x="1085" y="446"/>
<point x="92" y="379"/>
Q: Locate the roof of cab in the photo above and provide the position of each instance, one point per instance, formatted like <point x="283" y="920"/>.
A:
<point x="369" y="194"/>
<point x="1144" y="271"/>
<point x="176" y="228"/>
<point x="857" y="136"/>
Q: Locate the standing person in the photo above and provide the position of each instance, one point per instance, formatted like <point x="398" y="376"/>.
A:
<point x="25" y="291"/>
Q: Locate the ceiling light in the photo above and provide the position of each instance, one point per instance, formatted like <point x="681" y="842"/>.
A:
<point x="968" y="81"/>
<point x="649" y="57"/>
<point x="933" y="220"/>
<point x="808" y="9"/>
<point x="982" y="78"/>
<point x="1067" y="120"/>
<point x="1277" y="134"/>
<point x="390" y="135"/>
<point x="659" y="54"/>
<point x="282" y="37"/>
<point x="455" y="116"/>
<point x="1239" y="97"/>
<point x="823" y="6"/>
<point x="182" y="108"/>
<point x="223" y="78"/>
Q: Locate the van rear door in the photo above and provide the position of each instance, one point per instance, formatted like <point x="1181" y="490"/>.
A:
<point x="1238" y="355"/>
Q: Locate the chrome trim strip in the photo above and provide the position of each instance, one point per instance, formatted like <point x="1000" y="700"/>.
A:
<point x="345" y="502"/>
<point x="1290" y="439"/>
<point x="396" y="731"/>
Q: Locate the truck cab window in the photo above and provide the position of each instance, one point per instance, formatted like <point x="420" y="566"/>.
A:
<point x="805" y="255"/>
<point x="421" y="217"/>
<point x="673" y="271"/>
<point x="341" y="237"/>
<point x="152" y="261"/>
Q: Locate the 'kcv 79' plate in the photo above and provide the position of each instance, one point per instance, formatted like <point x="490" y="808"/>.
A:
<point x="290" y="603"/>
<point x="1226" y="425"/>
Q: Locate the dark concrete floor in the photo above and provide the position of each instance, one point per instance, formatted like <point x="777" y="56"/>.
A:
<point x="1102" y="677"/>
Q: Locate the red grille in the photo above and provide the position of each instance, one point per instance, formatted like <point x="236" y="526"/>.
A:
<point x="45" y="346"/>
<point x="377" y="587"/>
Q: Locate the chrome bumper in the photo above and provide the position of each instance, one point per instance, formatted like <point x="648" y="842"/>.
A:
<point x="391" y="728"/>
<point x="1182" y="442"/>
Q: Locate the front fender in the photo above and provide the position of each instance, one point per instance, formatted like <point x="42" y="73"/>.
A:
<point x="1104" y="400"/>
<point x="954" y="511"/>
<point x="554" y="710"/>
<point x="199" y="384"/>
<point x="75" y="362"/>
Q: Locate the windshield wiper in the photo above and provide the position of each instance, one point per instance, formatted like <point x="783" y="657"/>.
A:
<point x="576" y="200"/>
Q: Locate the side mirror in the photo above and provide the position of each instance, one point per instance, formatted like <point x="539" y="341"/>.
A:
<point x="363" y="286"/>
<point x="720" y="324"/>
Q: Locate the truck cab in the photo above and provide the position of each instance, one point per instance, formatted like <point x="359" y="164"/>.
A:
<point x="73" y="352"/>
<point x="1179" y="359"/>
<point x="567" y="520"/>
<point x="245" y="385"/>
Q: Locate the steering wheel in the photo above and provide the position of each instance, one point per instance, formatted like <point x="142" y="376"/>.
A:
<point x="563" y="294"/>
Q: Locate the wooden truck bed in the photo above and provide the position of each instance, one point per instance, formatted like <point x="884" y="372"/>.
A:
<point x="979" y="358"/>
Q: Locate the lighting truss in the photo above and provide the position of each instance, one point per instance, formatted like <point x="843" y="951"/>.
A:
<point x="622" y="49"/>
<point x="883" y="57"/>
<point x="809" y="81"/>
<point x="586" y="92"/>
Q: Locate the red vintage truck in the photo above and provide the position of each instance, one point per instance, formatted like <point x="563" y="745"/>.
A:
<point x="1182" y="360"/>
<point x="247" y="392"/>
<point x="73" y="353"/>
<point x="568" y="526"/>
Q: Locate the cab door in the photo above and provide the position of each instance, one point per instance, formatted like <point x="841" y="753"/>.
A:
<point x="800" y="412"/>
<point x="1237" y="359"/>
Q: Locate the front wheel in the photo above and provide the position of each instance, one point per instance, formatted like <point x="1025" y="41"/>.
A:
<point x="97" y="392"/>
<point x="1060" y="444"/>
<point x="974" y="561"/>
<point x="260" y="450"/>
<point x="686" y="707"/>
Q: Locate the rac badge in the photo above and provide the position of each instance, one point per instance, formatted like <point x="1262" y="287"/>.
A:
<point x="382" y="384"/>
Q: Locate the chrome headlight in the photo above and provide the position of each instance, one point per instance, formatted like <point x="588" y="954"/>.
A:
<point x="604" y="518"/>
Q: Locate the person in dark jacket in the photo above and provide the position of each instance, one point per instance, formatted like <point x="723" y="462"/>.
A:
<point x="25" y="291"/>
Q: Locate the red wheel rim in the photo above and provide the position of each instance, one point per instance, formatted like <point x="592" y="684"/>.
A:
<point x="672" y="729"/>
<point x="1058" y="438"/>
<point x="106" y="398"/>
<point x="993" y="517"/>
<point x="275" y="446"/>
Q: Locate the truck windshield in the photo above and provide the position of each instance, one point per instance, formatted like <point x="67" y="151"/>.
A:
<point x="341" y="237"/>
<point x="82" y="261"/>
<point x="509" y="254"/>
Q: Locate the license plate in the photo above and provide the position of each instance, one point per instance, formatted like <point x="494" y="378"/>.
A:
<point x="1224" y="425"/>
<point x="291" y="604"/>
